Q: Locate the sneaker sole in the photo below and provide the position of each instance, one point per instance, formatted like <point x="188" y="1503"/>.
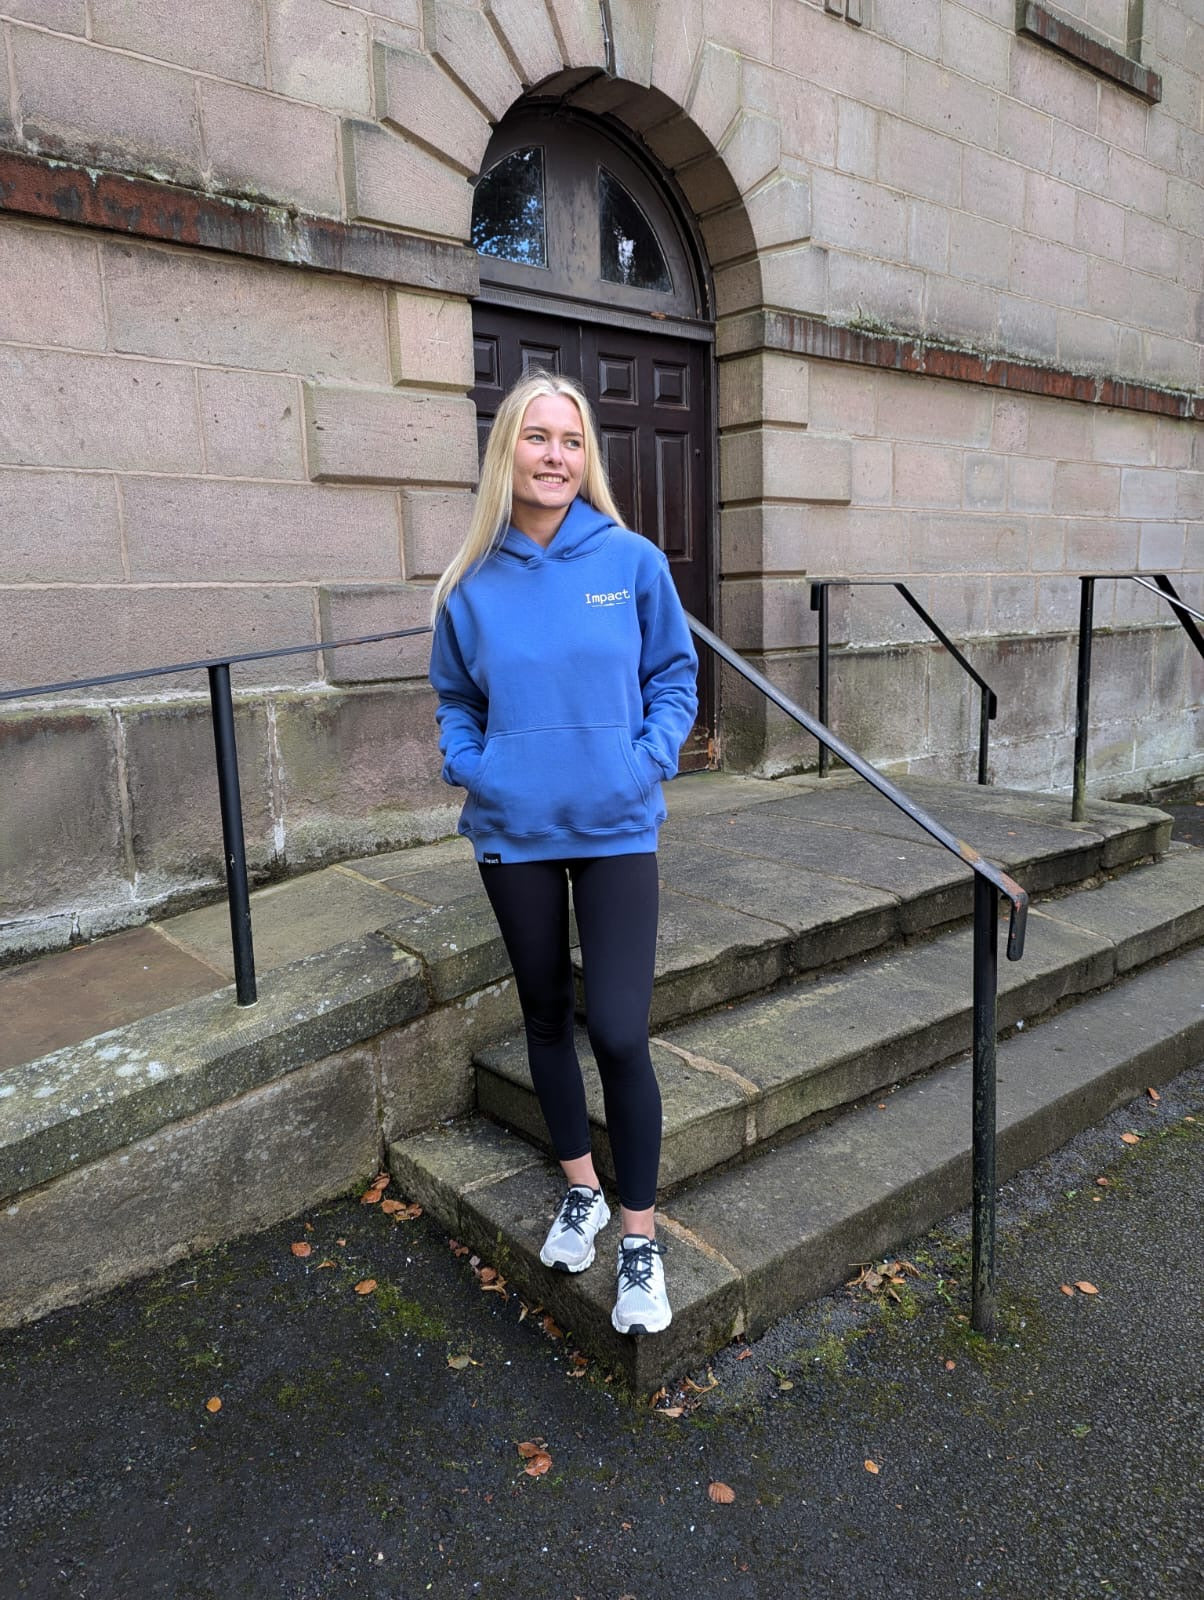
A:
<point x="639" y="1327"/>
<point x="563" y="1266"/>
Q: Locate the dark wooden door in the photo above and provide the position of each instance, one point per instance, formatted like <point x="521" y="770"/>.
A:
<point x="651" y="397"/>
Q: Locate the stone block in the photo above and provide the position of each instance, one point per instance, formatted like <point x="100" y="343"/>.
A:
<point x="961" y="605"/>
<point x="59" y="527"/>
<point x="252" y="424"/>
<point x="768" y="386"/>
<point x="918" y="162"/>
<point x="856" y="139"/>
<point x="860" y="290"/>
<point x="1086" y="343"/>
<point x="632" y="39"/>
<point x="1034" y="679"/>
<point x="349" y="611"/>
<point x="963" y="311"/>
<point x="992" y="187"/>
<point x="1061" y="431"/>
<point x="768" y="613"/>
<point x="780" y="214"/>
<point x="1189" y="496"/>
<point x="1050" y="208"/>
<point x="461" y="40"/>
<point x="678" y="34"/>
<point x="320" y="54"/>
<point x="191" y="1186"/>
<point x="1030" y="485"/>
<point x="707" y="185"/>
<point x="431" y="339"/>
<point x="118" y="628"/>
<point x="927" y="236"/>
<point x="950" y="104"/>
<point x="389" y="436"/>
<point x="968" y="544"/>
<point x="873" y="472"/>
<point x="1027" y="328"/>
<point x="142" y="116"/>
<point x="242" y="314"/>
<point x="979" y="249"/>
<point x="747" y="29"/>
<point x="180" y="529"/>
<point x="1013" y="605"/>
<point x="784" y="464"/>
<point x="226" y="39"/>
<point x="985" y="481"/>
<point x="752" y="150"/>
<point x="1047" y="271"/>
<point x="391" y="180"/>
<point x="171" y="783"/>
<point x="1125" y="437"/>
<point x="578" y="28"/>
<point x="756" y="737"/>
<point x="927" y="475"/>
<point x="62" y="16"/>
<point x="52" y="290"/>
<point x="1049" y="82"/>
<point x="863" y="68"/>
<point x="880" y="616"/>
<point x="917" y="28"/>
<point x="67" y="410"/>
<point x="858" y="216"/>
<point x="426" y="1067"/>
<point x="715" y="101"/>
<point x="360" y="772"/>
<point x="1132" y="182"/>
<point x="764" y="538"/>
<point x="1147" y="494"/>
<point x="728" y="235"/>
<point x="1082" y="489"/>
<point x="1095" y="545"/>
<point x="415" y="96"/>
<point x="980" y="49"/>
<point x="1152" y="246"/>
<point x="271" y="148"/>
<point x="61" y="830"/>
<point x="434" y="525"/>
<point x="529" y="39"/>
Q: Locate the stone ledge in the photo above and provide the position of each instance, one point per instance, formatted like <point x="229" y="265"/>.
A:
<point x="86" y="1101"/>
<point x="1042" y="22"/>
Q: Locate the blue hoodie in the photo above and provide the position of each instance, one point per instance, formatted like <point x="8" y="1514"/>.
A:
<point x="566" y="679"/>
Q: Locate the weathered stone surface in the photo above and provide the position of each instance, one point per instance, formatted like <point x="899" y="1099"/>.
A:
<point x="269" y="147"/>
<point x="414" y="95"/>
<point x="431" y="337"/>
<point x="782" y="463"/>
<point x="52" y="292"/>
<point x="225" y="39"/>
<point x="319" y="53"/>
<point x="461" y="40"/>
<point x="59" y="527"/>
<point x="189" y="1187"/>
<point x="81" y="1103"/>
<point x="389" y="436"/>
<point x="234" y="313"/>
<point x="458" y="944"/>
<point x="433" y="875"/>
<point x="768" y="386"/>
<point x="530" y="40"/>
<point x="252" y="422"/>
<point x="349" y="611"/>
<point x="434" y="525"/>
<point x="426" y="1067"/>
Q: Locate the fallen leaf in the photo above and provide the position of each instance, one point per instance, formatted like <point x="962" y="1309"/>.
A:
<point x="301" y="1248"/>
<point x="670" y="1411"/>
<point x="487" y="1274"/>
<point x="213" y="1405"/>
<point x="391" y="1207"/>
<point x="327" y="1263"/>
<point x="702" y="1388"/>
<point x="1154" y="1095"/>
<point x="744" y="1355"/>
<point x="551" y="1329"/>
<point x="340" y="1241"/>
<point x="872" y="1466"/>
<point x="785" y="1384"/>
<point x="1087" y="1288"/>
<point x="538" y="1464"/>
<point x="1104" y="1183"/>
<point x="1189" y="1119"/>
<point x="365" y="1286"/>
<point x="657" y="1396"/>
<point x="1081" y="1430"/>
<point x="1130" y="1138"/>
<point x="1065" y="1288"/>
<point x="950" y="1366"/>
<point x="721" y="1493"/>
<point x="458" y="1363"/>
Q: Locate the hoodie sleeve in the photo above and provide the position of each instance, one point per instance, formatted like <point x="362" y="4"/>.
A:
<point x="463" y="708"/>
<point x="668" y="675"/>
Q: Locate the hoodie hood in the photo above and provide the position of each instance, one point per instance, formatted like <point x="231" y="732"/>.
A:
<point x="583" y="531"/>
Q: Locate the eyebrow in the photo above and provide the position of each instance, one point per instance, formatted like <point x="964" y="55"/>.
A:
<point x="569" y="433"/>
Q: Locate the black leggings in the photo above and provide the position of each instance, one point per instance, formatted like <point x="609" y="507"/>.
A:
<point x="615" y="898"/>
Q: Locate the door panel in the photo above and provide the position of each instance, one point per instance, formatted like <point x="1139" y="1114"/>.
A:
<point x="650" y="394"/>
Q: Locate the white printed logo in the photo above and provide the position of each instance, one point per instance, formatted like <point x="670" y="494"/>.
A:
<point x="608" y="597"/>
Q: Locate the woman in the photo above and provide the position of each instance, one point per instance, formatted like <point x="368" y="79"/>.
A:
<point x="567" y="682"/>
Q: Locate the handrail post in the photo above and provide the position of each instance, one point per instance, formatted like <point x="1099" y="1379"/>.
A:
<point x="986" y="974"/>
<point x="233" y="844"/>
<point x="984" y="733"/>
<point x="1078" y="808"/>
<point x="819" y="602"/>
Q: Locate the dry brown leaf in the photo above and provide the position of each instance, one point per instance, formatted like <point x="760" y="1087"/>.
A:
<point x="1065" y="1288"/>
<point x="670" y="1411"/>
<point x="1104" y="1183"/>
<point x="721" y="1493"/>
<point x="340" y="1241"/>
<point x="213" y="1404"/>
<point x="551" y="1329"/>
<point x="701" y="1388"/>
<point x="1130" y="1138"/>
<point x="365" y="1286"/>
<point x="538" y="1464"/>
<point x="872" y="1466"/>
<point x="656" y="1398"/>
<point x="1189" y="1119"/>
<point x="392" y="1207"/>
<point x="744" y="1355"/>
<point x="528" y="1448"/>
<point x="1154" y="1095"/>
<point x="785" y="1385"/>
<point x="950" y="1366"/>
<point x="487" y="1274"/>
<point x="327" y="1263"/>
<point x="301" y="1248"/>
<point x="458" y="1363"/>
<point x="1085" y="1287"/>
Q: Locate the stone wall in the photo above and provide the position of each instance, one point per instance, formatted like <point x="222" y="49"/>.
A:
<point x="235" y="349"/>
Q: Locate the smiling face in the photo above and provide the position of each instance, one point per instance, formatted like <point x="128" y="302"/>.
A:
<point x="549" y="463"/>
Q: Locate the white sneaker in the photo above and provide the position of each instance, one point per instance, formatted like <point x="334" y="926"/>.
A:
<point x="642" y="1304"/>
<point x="569" y="1246"/>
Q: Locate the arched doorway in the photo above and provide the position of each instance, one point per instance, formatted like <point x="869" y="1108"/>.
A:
<point x="587" y="269"/>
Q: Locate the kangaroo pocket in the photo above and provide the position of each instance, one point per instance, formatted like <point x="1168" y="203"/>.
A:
<point x="560" y="780"/>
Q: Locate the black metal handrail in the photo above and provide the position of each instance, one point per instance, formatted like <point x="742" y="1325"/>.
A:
<point x="988" y="702"/>
<point x="221" y="702"/>
<point x="990" y="881"/>
<point x="1157" y="583"/>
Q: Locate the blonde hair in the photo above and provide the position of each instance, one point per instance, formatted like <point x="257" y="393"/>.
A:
<point x="494" y="502"/>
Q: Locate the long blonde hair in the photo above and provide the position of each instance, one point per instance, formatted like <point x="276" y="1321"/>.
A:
<point x="494" y="501"/>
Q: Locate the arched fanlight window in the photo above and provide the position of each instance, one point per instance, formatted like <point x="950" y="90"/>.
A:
<point x="508" y="213"/>
<point x="630" y="252"/>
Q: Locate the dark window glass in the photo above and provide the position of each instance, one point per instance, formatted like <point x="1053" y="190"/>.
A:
<point x="630" y="252"/>
<point x="508" y="210"/>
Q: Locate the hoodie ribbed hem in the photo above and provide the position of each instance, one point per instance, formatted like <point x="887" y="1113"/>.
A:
<point x="496" y="850"/>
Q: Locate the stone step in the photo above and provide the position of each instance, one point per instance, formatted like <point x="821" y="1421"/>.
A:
<point x="749" y="1244"/>
<point x="745" y="1073"/>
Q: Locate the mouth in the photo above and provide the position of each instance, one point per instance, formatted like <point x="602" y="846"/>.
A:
<point x="550" y="478"/>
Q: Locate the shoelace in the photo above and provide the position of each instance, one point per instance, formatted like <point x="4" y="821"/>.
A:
<point x="635" y="1264"/>
<point x="575" y="1208"/>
